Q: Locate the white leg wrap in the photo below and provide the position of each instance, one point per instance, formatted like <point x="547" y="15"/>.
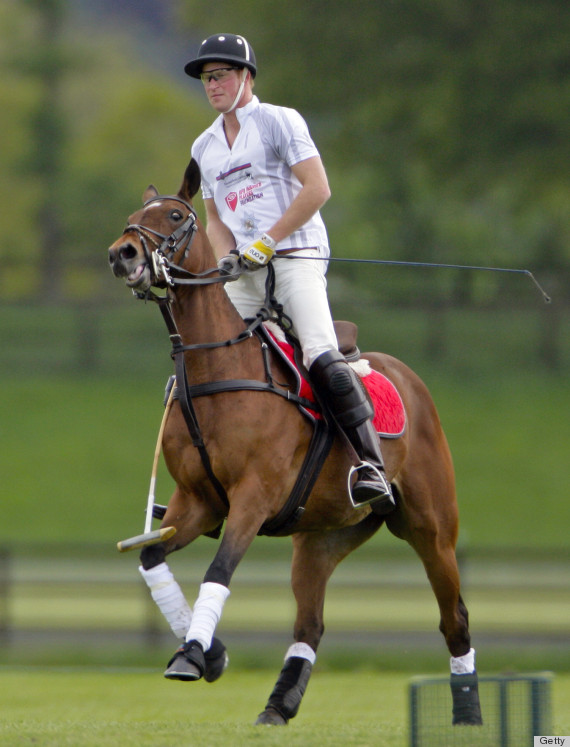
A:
<point x="463" y="664"/>
<point x="303" y="651"/>
<point x="169" y="598"/>
<point x="207" y="612"/>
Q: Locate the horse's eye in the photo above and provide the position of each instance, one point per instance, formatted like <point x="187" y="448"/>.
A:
<point x="176" y="215"/>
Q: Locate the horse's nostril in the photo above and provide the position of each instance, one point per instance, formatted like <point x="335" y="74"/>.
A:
<point x="127" y="252"/>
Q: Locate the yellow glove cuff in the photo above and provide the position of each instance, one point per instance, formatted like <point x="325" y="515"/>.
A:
<point x="261" y="251"/>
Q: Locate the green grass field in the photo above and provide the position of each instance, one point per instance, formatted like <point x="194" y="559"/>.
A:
<point x="78" y="453"/>
<point x="82" y="403"/>
<point x="98" y="708"/>
<point x="90" y="708"/>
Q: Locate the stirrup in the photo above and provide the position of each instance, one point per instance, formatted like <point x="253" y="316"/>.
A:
<point x="380" y="477"/>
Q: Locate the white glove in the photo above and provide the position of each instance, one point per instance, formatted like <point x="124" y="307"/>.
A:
<point x="230" y="266"/>
<point x="259" y="253"/>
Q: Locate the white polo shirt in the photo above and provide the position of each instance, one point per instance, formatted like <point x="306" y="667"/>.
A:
<point x="252" y="183"/>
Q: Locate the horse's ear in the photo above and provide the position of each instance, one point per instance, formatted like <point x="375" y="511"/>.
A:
<point x="150" y="193"/>
<point x="191" y="183"/>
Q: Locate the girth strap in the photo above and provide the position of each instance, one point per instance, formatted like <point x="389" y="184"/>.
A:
<point x="192" y="421"/>
<point x="294" y="508"/>
<point x="319" y="446"/>
<point x="185" y="399"/>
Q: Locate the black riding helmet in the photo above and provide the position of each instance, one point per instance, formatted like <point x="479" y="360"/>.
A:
<point x="229" y="48"/>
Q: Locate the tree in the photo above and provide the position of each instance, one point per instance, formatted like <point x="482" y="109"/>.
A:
<point x="87" y="132"/>
<point x="47" y="128"/>
<point x="442" y="124"/>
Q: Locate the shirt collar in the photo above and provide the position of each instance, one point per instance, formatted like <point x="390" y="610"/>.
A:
<point x="244" y="111"/>
<point x="242" y="114"/>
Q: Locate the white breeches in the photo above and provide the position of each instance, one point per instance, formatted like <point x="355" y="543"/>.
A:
<point x="301" y="287"/>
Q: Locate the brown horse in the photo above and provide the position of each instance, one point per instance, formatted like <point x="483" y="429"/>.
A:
<point x="235" y="452"/>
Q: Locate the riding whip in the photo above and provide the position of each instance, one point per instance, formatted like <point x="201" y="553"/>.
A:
<point x="431" y="265"/>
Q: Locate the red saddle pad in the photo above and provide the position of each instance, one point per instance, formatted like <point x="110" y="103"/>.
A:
<point x="389" y="413"/>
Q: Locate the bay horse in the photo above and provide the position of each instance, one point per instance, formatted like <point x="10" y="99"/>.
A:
<point x="234" y="450"/>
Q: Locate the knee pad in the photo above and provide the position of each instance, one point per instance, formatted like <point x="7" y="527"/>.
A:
<point x="339" y="386"/>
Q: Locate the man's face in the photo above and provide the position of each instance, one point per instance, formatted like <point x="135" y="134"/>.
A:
<point x="221" y="83"/>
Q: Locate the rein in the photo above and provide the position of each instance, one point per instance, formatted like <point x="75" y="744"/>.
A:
<point x="166" y="247"/>
<point x="161" y="261"/>
<point x="320" y="443"/>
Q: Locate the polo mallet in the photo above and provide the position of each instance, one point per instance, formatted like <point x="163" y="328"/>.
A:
<point x="152" y="537"/>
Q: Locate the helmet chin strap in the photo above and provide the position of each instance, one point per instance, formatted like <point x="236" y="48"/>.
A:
<point x="239" y="93"/>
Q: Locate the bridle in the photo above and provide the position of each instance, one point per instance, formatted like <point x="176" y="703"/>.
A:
<point x="160" y="251"/>
<point x="160" y="257"/>
<point x="166" y="271"/>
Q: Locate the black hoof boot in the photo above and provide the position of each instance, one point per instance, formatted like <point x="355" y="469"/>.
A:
<point x="188" y="663"/>
<point x="271" y="717"/>
<point x="217" y="659"/>
<point x="284" y="701"/>
<point x="465" y="694"/>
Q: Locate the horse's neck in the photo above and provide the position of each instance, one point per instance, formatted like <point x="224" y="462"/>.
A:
<point x="206" y="315"/>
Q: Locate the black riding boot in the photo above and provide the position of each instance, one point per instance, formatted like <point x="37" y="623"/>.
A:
<point x="343" y="393"/>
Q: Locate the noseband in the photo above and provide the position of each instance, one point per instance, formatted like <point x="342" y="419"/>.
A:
<point x="166" y="247"/>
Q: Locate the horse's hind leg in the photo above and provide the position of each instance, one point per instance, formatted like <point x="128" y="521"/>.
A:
<point x="315" y="556"/>
<point x="433" y="537"/>
<point x="454" y="624"/>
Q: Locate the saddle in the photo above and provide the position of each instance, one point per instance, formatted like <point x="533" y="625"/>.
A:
<point x="383" y="394"/>
<point x="389" y="412"/>
<point x="389" y="418"/>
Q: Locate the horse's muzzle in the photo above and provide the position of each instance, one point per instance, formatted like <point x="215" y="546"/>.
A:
<point x="125" y="262"/>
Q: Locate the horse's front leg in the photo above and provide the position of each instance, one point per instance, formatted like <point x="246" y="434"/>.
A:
<point x="191" y="518"/>
<point x="189" y="662"/>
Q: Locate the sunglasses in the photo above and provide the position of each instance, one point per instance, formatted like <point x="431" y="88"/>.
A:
<point x="218" y="75"/>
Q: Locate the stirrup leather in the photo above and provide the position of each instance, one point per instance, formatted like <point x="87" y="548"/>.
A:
<point x="379" y="476"/>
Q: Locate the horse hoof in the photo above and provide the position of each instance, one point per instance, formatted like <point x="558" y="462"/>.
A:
<point x="217" y="660"/>
<point x="188" y="663"/>
<point x="183" y="670"/>
<point x="270" y="717"/>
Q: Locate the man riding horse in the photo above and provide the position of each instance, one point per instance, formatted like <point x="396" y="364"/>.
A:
<point x="263" y="183"/>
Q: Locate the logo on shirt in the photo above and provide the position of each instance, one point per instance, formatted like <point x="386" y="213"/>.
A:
<point x="235" y="175"/>
<point x="250" y="193"/>
<point x="232" y="200"/>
